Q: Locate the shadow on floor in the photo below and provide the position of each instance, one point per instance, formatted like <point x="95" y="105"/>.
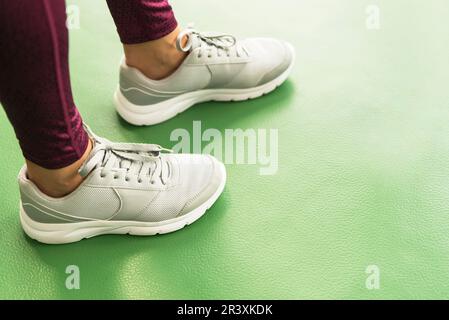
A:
<point x="219" y="115"/>
<point x="109" y="264"/>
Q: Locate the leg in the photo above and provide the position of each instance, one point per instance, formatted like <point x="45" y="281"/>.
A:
<point x="140" y="21"/>
<point x="35" y="92"/>
<point x="120" y="187"/>
<point x="148" y="30"/>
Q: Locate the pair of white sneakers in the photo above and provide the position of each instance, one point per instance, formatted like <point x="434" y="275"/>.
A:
<point x="141" y="189"/>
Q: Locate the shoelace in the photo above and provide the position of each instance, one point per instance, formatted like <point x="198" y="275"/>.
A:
<point x="213" y="43"/>
<point x="143" y="160"/>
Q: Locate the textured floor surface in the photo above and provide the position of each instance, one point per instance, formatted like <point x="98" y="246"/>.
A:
<point x="363" y="174"/>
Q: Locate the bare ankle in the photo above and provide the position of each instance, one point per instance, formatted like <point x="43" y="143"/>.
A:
<point x="57" y="182"/>
<point x="155" y="59"/>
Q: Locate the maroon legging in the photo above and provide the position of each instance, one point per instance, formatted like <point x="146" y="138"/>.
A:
<point x="35" y="86"/>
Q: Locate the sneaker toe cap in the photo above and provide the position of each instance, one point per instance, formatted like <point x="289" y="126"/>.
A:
<point x="210" y="189"/>
<point x="283" y="55"/>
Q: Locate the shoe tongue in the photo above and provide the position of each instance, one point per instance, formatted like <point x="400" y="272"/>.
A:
<point x="95" y="156"/>
<point x="189" y="39"/>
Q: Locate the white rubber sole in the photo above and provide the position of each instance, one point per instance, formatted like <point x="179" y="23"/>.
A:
<point x="59" y="233"/>
<point x="163" y="111"/>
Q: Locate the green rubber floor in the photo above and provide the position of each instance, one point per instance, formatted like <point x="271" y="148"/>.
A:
<point x="359" y="205"/>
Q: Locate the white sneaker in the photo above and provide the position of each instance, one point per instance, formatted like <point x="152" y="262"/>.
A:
<point x="128" y="188"/>
<point x="218" y="67"/>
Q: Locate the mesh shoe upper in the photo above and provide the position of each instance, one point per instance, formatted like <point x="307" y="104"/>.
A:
<point x="128" y="182"/>
<point x="213" y="62"/>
